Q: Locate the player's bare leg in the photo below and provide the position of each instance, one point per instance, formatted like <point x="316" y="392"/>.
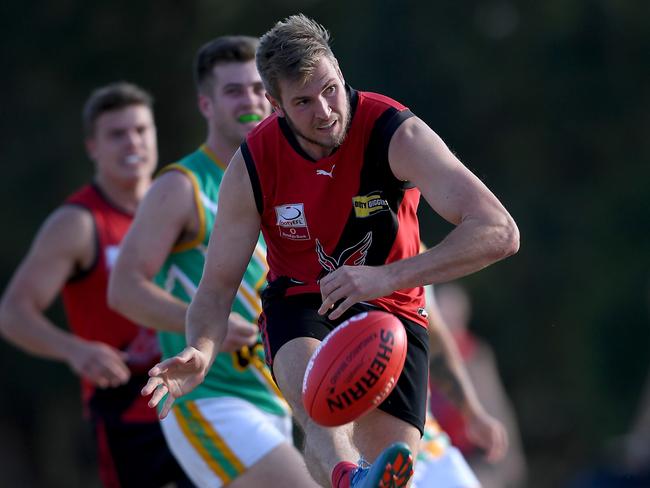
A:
<point x="376" y="430"/>
<point x="283" y="466"/>
<point x="324" y="447"/>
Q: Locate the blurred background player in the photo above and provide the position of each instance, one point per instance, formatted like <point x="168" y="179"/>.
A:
<point x="234" y="429"/>
<point x="450" y="306"/>
<point x="73" y="253"/>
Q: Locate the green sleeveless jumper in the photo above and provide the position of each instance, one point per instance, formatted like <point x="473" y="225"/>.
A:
<point x="242" y="374"/>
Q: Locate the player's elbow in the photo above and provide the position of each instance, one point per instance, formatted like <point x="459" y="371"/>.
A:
<point x="507" y="238"/>
<point x="4" y="321"/>
<point x="8" y="318"/>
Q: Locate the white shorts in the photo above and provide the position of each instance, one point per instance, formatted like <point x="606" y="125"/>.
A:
<point x="439" y="464"/>
<point x="217" y="439"/>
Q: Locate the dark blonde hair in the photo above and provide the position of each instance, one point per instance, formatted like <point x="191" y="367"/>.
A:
<point x="114" y="96"/>
<point x="291" y="50"/>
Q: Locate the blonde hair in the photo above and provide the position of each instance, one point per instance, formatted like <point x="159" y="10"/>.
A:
<point x="291" y="50"/>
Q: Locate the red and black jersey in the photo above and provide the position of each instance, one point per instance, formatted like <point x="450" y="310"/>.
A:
<point x="86" y="308"/>
<point x="345" y="209"/>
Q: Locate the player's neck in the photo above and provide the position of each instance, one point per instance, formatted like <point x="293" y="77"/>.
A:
<point x="125" y="196"/>
<point x="314" y="150"/>
<point x="223" y="149"/>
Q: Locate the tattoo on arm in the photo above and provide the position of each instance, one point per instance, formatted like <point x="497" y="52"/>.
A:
<point x="446" y="380"/>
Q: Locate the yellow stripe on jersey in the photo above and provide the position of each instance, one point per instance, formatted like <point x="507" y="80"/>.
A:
<point x="210" y="154"/>
<point x="261" y="255"/>
<point x="184" y="246"/>
<point x="265" y="373"/>
<point x="249" y="299"/>
<point x="260" y="282"/>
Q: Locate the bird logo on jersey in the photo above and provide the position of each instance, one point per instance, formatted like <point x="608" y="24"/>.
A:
<point x="352" y="256"/>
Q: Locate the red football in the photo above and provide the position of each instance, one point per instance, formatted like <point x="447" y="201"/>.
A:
<point x="355" y="368"/>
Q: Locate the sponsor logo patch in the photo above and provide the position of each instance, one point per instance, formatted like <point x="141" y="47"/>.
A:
<point x="291" y="221"/>
<point x="370" y="204"/>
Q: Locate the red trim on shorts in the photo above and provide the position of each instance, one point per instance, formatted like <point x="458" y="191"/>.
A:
<point x="261" y="324"/>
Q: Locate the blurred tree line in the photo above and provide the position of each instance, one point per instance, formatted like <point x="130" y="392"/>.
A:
<point x="547" y="102"/>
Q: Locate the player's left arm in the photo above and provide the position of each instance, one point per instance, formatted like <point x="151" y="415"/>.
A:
<point x="484" y="231"/>
<point x="446" y="369"/>
<point x="449" y="375"/>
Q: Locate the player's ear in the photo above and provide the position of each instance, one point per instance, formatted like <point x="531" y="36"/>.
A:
<point x="275" y="104"/>
<point x="91" y="147"/>
<point x="205" y="105"/>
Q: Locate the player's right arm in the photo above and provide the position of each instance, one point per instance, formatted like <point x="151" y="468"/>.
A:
<point x="64" y="244"/>
<point x="232" y="242"/>
<point x="165" y="217"/>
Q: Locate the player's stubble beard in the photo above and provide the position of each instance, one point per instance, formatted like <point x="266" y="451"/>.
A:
<point x="338" y="140"/>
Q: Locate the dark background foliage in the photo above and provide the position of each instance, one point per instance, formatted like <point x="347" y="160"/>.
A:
<point x="547" y="102"/>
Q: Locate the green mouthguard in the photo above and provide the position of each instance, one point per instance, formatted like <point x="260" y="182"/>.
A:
<point x="243" y="119"/>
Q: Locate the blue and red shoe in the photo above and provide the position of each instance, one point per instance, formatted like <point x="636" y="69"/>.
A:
<point x="392" y="469"/>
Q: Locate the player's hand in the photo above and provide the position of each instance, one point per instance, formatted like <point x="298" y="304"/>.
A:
<point x="175" y="377"/>
<point x="99" y="363"/>
<point x="240" y="333"/>
<point x="489" y="434"/>
<point x="352" y="284"/>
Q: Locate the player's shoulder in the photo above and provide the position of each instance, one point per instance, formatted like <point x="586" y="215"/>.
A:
<point x="184" y="170"/>
<point x="171" y="175"/>
<point x="70" y="227"/>
<point x="173" y="187"/>
<point x="70" y="216"/>
<point x="183" y="165"/>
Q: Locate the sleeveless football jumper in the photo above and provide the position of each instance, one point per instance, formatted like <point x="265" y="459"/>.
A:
<point x="237" y="414"/>
<point x="344" y="209"/>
